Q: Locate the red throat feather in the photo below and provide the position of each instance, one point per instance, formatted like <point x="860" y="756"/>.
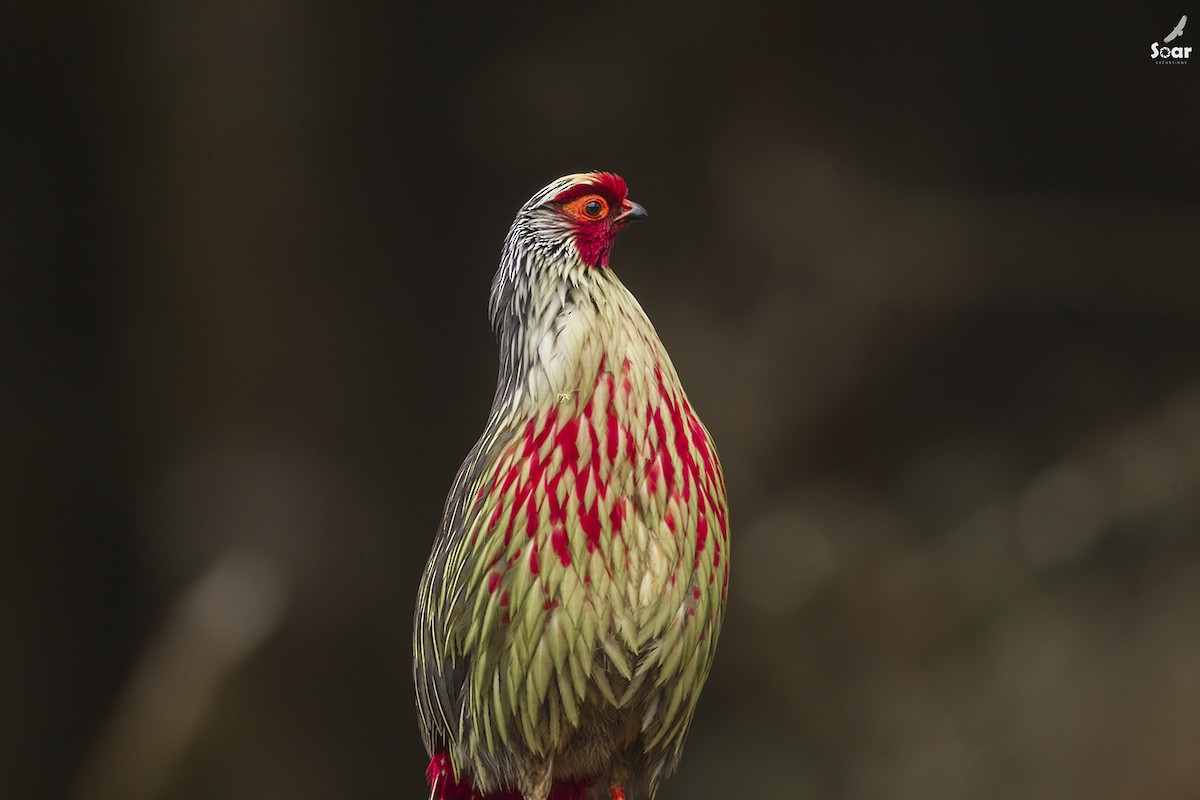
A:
<point x="596" y="232"/>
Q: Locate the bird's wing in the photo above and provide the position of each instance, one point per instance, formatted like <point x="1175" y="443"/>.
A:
<point x="440" y="667"/>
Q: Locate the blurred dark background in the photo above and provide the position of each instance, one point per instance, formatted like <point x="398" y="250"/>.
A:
<point x="931" y="277"/>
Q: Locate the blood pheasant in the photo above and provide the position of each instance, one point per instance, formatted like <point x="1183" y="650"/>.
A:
<point x="569" y="613"/>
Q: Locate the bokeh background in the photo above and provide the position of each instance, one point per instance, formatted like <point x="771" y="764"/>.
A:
<point x="930" y="275"/>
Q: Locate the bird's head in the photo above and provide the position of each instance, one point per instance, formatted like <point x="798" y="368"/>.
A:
<point x="564" y="232"/>
<point x="584" y="212"/>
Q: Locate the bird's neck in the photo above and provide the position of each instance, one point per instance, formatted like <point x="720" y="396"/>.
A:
<point x="589" y="326"/>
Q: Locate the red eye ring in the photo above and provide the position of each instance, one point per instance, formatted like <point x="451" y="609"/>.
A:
<point x="589" y="208"/>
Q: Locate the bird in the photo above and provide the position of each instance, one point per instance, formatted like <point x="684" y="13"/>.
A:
<point x="1175" y="34"/>
<point x="568" y="615"/>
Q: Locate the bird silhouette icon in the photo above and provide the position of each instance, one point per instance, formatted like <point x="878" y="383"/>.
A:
<point x="1175" y="34"/>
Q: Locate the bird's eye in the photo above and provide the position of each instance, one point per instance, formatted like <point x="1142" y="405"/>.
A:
<point x="589" y="208"/>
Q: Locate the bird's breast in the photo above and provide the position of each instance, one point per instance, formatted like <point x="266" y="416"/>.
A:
<point x="613" y="490"/>
<point x="598" y="541"/>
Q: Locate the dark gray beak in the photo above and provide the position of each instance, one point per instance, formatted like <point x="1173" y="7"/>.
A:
<point x="635" y="211"/>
